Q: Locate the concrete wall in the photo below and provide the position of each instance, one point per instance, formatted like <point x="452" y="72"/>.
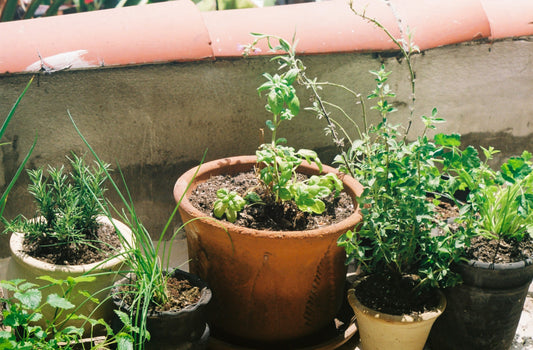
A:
<point x="157" y="115"/>
<point x="157" y="120"/>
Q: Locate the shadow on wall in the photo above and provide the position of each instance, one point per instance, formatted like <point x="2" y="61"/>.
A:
<point x="506" y="143"/>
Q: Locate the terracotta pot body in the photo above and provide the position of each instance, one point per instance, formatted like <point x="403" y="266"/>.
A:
<point x="26" y="267"/>
<point x="267" y="286"/>
<point x="484" y="311"/>
<point x="379" y="331"/>
<point x="185" y="329"/>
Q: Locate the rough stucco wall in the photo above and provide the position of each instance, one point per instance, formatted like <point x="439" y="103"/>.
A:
<point x="157" y="120"/>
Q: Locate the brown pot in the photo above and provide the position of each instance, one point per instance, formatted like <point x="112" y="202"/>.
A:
<point x="268" y="286"/>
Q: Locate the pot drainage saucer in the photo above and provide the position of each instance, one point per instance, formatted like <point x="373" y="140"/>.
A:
<point x="341" y="329"/>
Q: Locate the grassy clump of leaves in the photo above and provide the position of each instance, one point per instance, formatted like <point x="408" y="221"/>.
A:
<point x="278" y="163"/>
<point x="24" y="306"/>
<point x="148" y="262"/>
<point x="66" y="209"/>
<point x="499" y="204"/>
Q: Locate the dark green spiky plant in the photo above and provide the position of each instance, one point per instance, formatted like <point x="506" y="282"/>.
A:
<point x="66" y="209"/>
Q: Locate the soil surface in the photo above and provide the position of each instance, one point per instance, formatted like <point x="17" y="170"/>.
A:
<point x="280" y="217"/>
<point x="105" y="244"/>
<point x="395" y="296"/>
<point x="496" y="251"/>
<point x="488" y="250"/>
<point x="180" y="295"/>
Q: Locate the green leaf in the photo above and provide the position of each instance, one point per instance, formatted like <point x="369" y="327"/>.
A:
<point x="5" y="334"/>
<point x="231" y="215"/>
<point x="252" y="197"/>
<point x="58" y="302"/>
<point x="81" y="279"/>
<point x="30" y="298"/>
<point x="284" y="45"/>
<point x="54" y="281"/>
<point x="11" y="285"/>
<point x="73" y="330"/>
<point x="26" y="285"/>
<point x="291" y="75"/>
<point x="270" y="125"/>
<point x="124" y="341"/>
<point x="89" y="296"/>
<point x="452" y="140"/>
<point x="318" y="207"/>
<point x="219" y="209"/>
<point x="123" y="317"/>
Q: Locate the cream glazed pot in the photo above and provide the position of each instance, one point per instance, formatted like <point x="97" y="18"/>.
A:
<point x="23" y="266"/>
<point x="379" y="331"/>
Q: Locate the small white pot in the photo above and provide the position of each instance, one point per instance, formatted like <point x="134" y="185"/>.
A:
<point x="23" y="266"/>
<point x="380" y="331"/>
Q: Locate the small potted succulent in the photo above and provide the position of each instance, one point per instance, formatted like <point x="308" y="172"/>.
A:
<point x="266" y="246"/>
<point x="68" y="235"/>
<point x="497" y="218"/>
<point x="162" y="307"/>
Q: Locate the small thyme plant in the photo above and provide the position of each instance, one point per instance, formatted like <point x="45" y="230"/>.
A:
<point x="66" y="210"/>
<point x="278" y="163"/>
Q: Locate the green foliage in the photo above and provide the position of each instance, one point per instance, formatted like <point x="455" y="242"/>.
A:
<point x="3" y="129"/>
<point x="229" y="204"/>
<point x="148" y="285"/>
<point x="397" y="174"/>
<point x="67" y="204"/>
<point x="24" y="306"/>
<point x="499" y="205"/>
<point x="278" y="163"/>
<point x="395" y="237"/>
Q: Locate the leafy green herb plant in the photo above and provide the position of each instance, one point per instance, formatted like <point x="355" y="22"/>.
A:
<point x="499" y="205"/>
<point x="67" y="206"/>
<point x="395" y="236"/>
<point x="23" y="307"/>
<point x="278" y="163"/>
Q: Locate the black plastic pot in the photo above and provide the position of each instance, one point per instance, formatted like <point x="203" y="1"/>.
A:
<point x="483" y="312"/>
<point x="185" y="329"/>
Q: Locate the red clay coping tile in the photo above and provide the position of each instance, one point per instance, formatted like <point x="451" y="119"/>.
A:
<point x="177" y="31"/>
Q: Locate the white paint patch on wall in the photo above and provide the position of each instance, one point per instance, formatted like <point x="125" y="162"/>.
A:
<point x="61" y="61"/>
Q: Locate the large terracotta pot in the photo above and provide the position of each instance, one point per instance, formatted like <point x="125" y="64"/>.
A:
<point x="484" y="311"/>
<point x="380" y="331"/>
<point x="267" y="286"/>
<point x="26" y="267"/>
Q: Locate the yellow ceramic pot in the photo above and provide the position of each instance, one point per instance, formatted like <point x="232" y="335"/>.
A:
<point x="380" y="331"/>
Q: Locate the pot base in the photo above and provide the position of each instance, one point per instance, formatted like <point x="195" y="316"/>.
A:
<point x="341" y="329"/>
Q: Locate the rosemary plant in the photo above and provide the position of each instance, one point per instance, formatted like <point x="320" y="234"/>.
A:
<point x="66" y="209"/>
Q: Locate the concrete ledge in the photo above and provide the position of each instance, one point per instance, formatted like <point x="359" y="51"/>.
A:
<point x="177" y="31"/>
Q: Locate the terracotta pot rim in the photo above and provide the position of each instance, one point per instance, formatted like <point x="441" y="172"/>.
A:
<point x="205" y="296"/>
<point x="183" y="181"/>
<point x="405" y="319"/>
<point x="17" y="239"/>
